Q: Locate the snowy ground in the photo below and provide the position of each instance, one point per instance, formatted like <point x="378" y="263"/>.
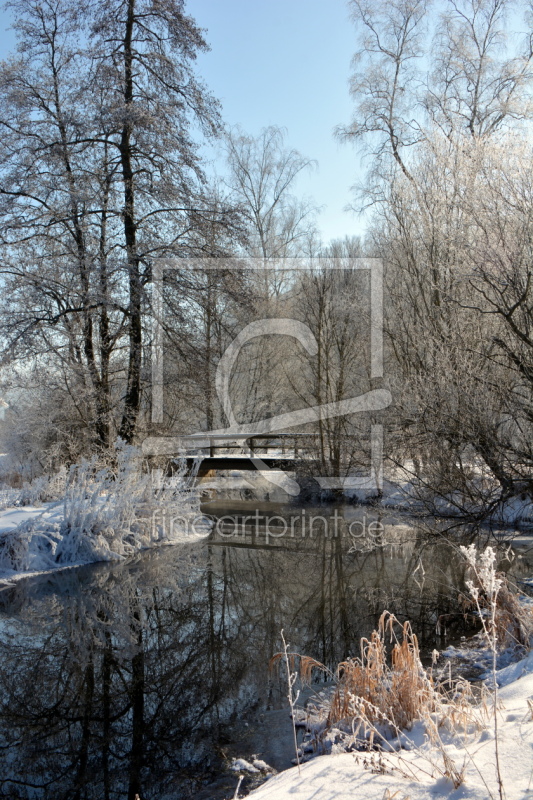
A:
<point x="417" y="774"/>
<point x="11" y="517"/>
<point x="97" y="514"/>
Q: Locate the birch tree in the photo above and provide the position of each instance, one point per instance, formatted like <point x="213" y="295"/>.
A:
<point x="457" y="284"/>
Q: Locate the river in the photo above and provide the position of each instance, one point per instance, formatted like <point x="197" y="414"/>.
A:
<point x="145" y="677"/>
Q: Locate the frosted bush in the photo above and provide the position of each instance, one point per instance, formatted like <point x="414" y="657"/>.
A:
<point x="9" y="497"/>
<point x="483" y="567"/>
<point x="15" y="549"/>
<point x="110" y="509"/>
<point x="506" y="622"/>
<point x="44" y="489"/>
<point x="30" y="546"/>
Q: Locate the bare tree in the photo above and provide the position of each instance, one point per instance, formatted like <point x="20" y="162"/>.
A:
<point x="386" y="78"/>
<point x="333" y="300"/>
<point x="455" y="250"/>
<point x="461" y="398"/>
<point x="262" y="174"/>
<point x="478" y="82"/>
<point x="100" y="175"/>
<point x="262" y="177"/>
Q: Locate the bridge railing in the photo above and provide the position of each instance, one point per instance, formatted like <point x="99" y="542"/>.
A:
<point x="252" y="442"/>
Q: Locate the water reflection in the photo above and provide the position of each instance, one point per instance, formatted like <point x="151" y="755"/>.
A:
<point x="127" y="679"/>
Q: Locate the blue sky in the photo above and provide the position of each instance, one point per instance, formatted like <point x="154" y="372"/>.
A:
<point x="287" y="63"/>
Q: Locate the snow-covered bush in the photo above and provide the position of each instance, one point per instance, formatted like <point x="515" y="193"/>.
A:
<point x="9" y="496"/>
<point x="112" y="510"/>
<point x="44" y="489"/>
<point x="31" y="546"/>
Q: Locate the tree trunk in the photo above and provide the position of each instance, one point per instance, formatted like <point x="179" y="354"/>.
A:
<point x="132" y="401"/>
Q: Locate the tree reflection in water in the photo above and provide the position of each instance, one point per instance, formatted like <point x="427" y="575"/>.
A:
<point x="123" y="679"/>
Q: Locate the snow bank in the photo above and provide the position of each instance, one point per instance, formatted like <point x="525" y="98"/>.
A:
<point x="108" y="512"/>
<point x="415" y="774"/>
<point x="404" y="492"/>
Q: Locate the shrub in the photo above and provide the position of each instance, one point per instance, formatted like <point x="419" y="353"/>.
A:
<point x="109" y="509"/>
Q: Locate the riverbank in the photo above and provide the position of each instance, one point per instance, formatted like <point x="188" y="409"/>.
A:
<point x="400" y="491"/>
<point x="206" y="616"/>
<point x="457" y="767"/>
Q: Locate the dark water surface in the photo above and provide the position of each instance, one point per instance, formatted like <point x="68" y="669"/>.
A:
<point x="146" y="677"/>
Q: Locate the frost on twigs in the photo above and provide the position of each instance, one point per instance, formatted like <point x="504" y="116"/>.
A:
<point x="111" y="509"/>
<point x="505" y="621"/>
<point x="502" y="619"/>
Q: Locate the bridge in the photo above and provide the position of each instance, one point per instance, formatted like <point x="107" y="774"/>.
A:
<point x="230" y="451"/>
<point x="250" y="450"/>
<point x="245" y="437"/>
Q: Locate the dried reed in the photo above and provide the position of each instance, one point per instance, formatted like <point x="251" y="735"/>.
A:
<point x="379" y="699"/>
<point x="402" y="692"/>
<point x="377" y="696"/>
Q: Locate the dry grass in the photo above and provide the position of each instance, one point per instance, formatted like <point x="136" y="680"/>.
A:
<point x="387" y="687"/>
<point x="514" y="621"/>
<point x="304" y="665"/>
<point x="402" y="692"/>
<point x="379" y="695"/>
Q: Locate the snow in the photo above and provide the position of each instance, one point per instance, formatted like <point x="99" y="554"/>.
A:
<point x="261" y="765"/>
<point x="11" y="517"/>
<point x="417" y="774"/>
<point x="103" y="514"/>
<point x="513" y="672"/>
<point x="241" y="765"/>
